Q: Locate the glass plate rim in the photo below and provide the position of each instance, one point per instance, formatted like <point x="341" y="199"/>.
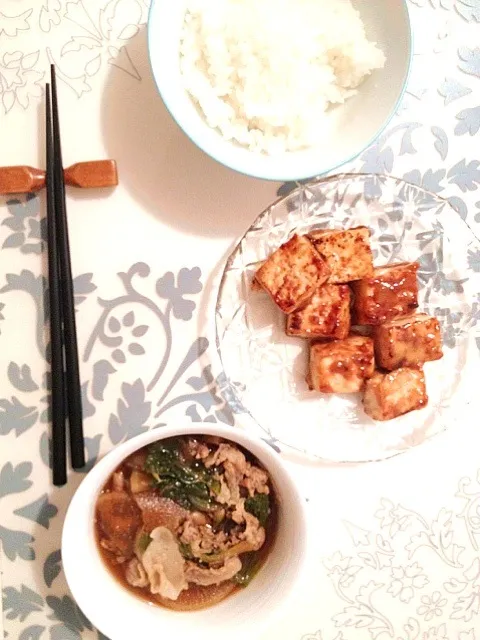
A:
<point x="232" y="397"/>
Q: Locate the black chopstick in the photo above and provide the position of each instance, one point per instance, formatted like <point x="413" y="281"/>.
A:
<point x="59" y="464"/>
<point x="72" y="386"/>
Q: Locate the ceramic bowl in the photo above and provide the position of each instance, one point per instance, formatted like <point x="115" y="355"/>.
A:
<point x="352" y="126"/>
<point x="120" y="615"/>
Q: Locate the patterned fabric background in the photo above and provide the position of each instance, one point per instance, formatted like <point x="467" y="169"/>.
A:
<point x="397" y="544"/>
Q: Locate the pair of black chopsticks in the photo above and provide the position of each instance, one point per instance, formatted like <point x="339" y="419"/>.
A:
<point x="66" y="400"/>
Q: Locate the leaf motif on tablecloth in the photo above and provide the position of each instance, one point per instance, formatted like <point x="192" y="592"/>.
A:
<point x="451" y="90"/>
<point x="395" y="518"/>
<point x="342" y="571"/>
<point x="363" y="614"/>
<point x="105" y="30"/>
<point x="133" y="412"/>
<point x="473" y="259"/>
<point x="438" y="537"/>
<point x="76" y="12"/>
<point x="50" y="15"/>
<point x="454" y="586"/>
<point x="188" y="283"/>
<point x="92" y="447"/>
<point x="469" y="60"/>
<point x="459" y="205"/>
<point x="52" y="567"/>
<point x="469" y="122"/>
<point x="360" y="537"/>
<point x="82" y="286"/>
<point x="17" y="544"/>
<point x="11" y="25"/>
<point x="15" y="479"/>
<point x="108" y="328"/>
<point x="34" y="632"/>
<point x="29" y="232"/>
<point x="63" y="632"/>
<point x="118" y="17"/>
<point x="208" y="403"/>
<point x="101" y="372"/>
<point x="430" y="180"/>
<point x="465" y="176"/>
<point x="15" y="416"/>
<point x="21" y="377"/>
<point x="437" y="633"/>
<point x="411" y="629"/>
<point x="441" y="143"/>
<point x="67" y="612"/>
<point x="40" y="511"/>
<point x="20" y="603"/>
<point x="469" y="10"/>
<point x="88" y="408"/>
<point x="120" y="58"/>
<point x="466" y="607"/>
<point x="204" y="380"/>
<point x="19" y="80"/>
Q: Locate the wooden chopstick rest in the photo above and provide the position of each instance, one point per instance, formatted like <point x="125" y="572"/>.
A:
<point x="84" y="175"/>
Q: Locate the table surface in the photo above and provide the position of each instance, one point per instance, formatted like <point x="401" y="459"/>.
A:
<point x="396" y="544"/>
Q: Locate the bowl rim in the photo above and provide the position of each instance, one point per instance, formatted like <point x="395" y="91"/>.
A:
<point x="315" y="167"/>
<point x="86" y="494"/>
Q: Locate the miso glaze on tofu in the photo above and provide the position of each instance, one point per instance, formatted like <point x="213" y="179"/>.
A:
<point x="390" y="293"/>
<point x="346" y="252"/>
<point x="292" y="273"/>
<point x="357" y="316"/>
<point x="389" y="395"/>
<point x="408" y="341"/>
<point x="341" y="366"/>
<point x="327" y="315"/>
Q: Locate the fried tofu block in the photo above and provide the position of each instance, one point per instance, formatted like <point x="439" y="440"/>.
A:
<point x="292" y="273"/>
<point x="389" y="395"/>
<point x="390" y="293"/>
<point x="254" y="284"/>
<point x="327" y="315"/>
<point x="346" y="252"/>
<point x="407" y="341"/>
<point x="341" y="366"/>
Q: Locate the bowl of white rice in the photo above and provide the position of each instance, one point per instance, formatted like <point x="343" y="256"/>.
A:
<point x="281" y="89"/>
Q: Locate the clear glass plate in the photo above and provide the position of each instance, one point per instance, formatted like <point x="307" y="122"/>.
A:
<point x="266" y="369"/>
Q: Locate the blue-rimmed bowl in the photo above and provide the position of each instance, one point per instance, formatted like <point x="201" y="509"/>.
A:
<point x="353" y="126"/>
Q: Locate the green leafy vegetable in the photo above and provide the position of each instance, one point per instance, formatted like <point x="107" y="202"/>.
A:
<point x="190" y="485"/>
<point x="221" y="556"/>
<point x="186" y="551"/>
<point x="142" y="542"/>
<point x="259" y="506"/>
<point x="250" y="566"/>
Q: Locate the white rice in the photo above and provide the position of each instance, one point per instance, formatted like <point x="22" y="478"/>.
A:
<point x="264" y="72"/>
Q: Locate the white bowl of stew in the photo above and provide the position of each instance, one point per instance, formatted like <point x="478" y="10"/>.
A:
<point x="186" y="532"/>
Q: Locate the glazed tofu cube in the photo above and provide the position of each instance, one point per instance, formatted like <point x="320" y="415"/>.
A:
<point x="347" y="253"/>
<point x="327" y="315"/>
<point x="407" y="341"/>
<point x="341" y="366"/>
<point x="292" y="273"/>
<point x="390" y="293"/>
<point x="389" y="395"/>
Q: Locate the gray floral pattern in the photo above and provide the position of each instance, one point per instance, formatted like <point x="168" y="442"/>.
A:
<point x="378" y="576"/>
<point x="127" y="326"/>
<point x="403" y="575"/>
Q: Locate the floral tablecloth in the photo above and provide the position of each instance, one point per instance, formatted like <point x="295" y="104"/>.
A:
<point x="396" y="544"/>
